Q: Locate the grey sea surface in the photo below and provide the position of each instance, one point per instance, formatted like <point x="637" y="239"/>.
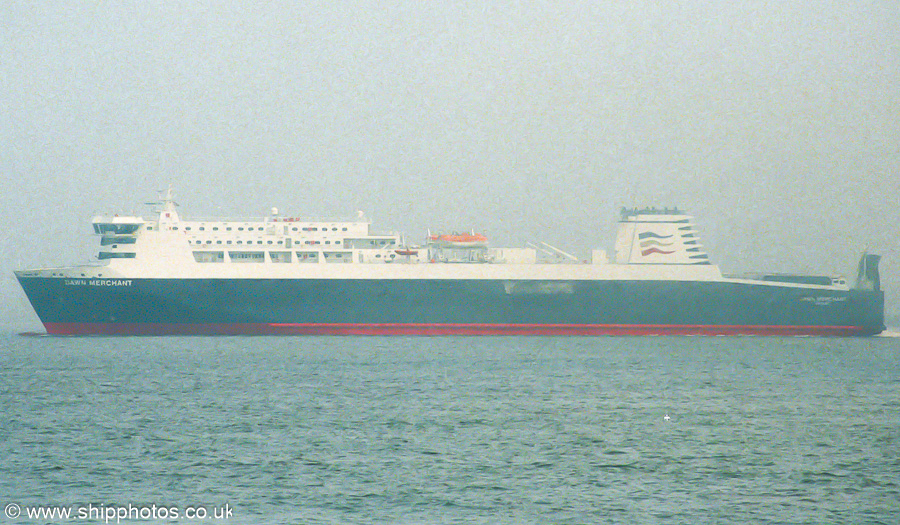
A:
<point x="454" y="429"/>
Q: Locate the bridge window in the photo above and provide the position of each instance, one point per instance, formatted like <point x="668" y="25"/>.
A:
<point x="120" y="229"/>
<point x="106" y="241"/>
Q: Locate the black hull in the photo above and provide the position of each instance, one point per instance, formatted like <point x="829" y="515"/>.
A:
<point x="434" y="307"/>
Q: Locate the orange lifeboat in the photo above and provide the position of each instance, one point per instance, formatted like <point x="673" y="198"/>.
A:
<point x="459" y="240"/>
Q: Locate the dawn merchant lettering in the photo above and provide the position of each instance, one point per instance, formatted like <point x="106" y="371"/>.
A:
<point x="98" y="282"/>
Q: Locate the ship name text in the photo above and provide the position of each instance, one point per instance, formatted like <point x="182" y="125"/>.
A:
<point x="98" y="282"/>
<point x="824" y="300"/>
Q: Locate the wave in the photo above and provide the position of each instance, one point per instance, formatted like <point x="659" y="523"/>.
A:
<point x="649" y="251"/>
<point x="652" y="242"/>
<point x="645" y="235"/>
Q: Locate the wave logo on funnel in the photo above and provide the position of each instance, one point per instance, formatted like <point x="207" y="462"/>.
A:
<point x="655" y="243"/>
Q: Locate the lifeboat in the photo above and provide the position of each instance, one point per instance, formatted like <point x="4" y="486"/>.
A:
<point x="459" y="240"/>
<point x="406" y="251"/>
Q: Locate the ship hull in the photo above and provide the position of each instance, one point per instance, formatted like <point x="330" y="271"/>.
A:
<point x="446" y="307"/>
<point x="441" y="329"/>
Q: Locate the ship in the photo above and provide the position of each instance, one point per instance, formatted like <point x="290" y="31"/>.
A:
<point x="283" y="275"/>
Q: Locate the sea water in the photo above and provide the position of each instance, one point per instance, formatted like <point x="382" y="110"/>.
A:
<point x="450" y="430"/>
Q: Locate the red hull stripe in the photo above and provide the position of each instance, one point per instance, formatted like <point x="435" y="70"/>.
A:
<point x="438" y="329"/>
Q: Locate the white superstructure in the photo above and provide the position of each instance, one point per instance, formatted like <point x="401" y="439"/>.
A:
<point x="651" y="244"/>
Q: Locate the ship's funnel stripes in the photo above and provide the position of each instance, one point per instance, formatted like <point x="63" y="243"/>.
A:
<point x="652" y="242"/>
<point x="655" y="235"/>
<point x="658" y="237"/>
<point x="650" y="245"/>
<point x="649" y="251"/>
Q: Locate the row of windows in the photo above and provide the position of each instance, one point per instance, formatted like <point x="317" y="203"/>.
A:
<point x="216" y="228"/>
<point x="315" y="229"/>
<point x="236" y="242"/>
<point x="275" y="257"/>
<point x="250" y="228"/>
<point x="371" y="243"/>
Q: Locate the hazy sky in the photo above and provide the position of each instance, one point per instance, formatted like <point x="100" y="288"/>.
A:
<point x="776" y="123"/>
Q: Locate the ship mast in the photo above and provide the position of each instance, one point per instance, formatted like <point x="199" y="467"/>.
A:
<point x="167" y="213"/>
